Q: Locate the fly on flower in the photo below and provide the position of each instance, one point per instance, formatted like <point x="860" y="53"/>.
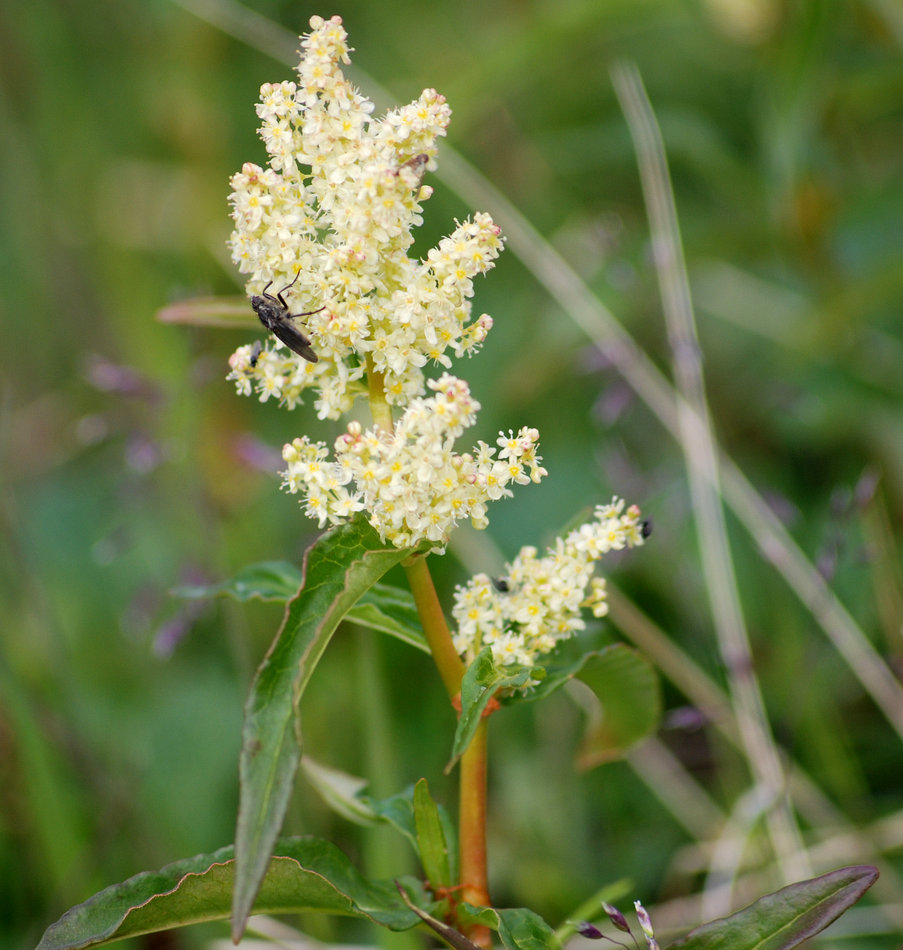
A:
<point x="417" y="165"/>
<point x="274" y="315"/>
<point x="256" y="350"/>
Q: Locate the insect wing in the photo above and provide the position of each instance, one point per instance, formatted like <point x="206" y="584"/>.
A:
<point x="294" y="340"/>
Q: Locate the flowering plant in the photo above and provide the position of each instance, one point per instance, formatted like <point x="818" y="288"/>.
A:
<point x="330" y="221"/>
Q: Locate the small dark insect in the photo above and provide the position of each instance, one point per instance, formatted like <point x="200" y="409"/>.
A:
<point x="501" y="584"/>
<point x="274" y="315"/>
<point x="256" y="350"/>
<point x="417" y="164"/>
<point x="646" y="528"/>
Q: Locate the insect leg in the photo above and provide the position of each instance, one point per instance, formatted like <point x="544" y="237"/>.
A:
<point x="294" y="316"/>
<point x="285" y="288"/>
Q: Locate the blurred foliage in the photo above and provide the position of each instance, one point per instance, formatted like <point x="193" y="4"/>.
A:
<point x="129" y="466"/>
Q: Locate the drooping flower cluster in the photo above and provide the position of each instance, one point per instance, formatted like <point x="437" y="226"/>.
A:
<point x="410" y="482"/>
<point x="336" y="208"/>
<point x="591" y="932"/>
<point x="526" y="613"/>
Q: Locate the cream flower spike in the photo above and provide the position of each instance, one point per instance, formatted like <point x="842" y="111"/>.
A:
<point x="334" y="212"/>
<point x="411" y="483"/>
<point x="525" y="614"/>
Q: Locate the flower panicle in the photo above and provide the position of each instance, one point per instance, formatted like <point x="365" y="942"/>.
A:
<point x="538" y="602"/>
<point x="591" y="932"/>
<point x="334" y="211"/>
<point x="411" y="482"/>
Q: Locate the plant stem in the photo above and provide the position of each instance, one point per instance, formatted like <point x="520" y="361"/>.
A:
<point x="474" y="877"/>
<point x="438" y="636"/>
<point x="380" y="409"/>
<point x="472" y="830"/>
<point x="472" y="777"/>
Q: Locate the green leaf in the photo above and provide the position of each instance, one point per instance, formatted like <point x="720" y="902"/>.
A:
<point x="390" y="610"/>
<point x="268" y="580"/>
<point x="786" y="918"/>
<point x="305" y="874"/>
<point x="557" y="674"/>
<point x="431" y="841"/>
<point x="625" y="706"/>
<point x="519" y="928"/>
<point x="426" y="825"/>
<point x="482" y="679"/>
<point x="340" y="791"/>
<point x="338" y="568"/>
<point x="383" y="607"/>
<point x="398" y="811"/>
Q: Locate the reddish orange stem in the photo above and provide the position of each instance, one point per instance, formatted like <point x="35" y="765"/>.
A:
<point x="474" y="876"/>
<point x="438" y="636"/>
<point x="472" y="830"/>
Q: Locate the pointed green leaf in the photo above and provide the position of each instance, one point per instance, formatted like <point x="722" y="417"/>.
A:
<point x="786" y="918"/>
<point x="268" y="580"/>
<point x="626" y="707"/>
<point x="482" y="680"/>
<point x="556" y="675"/>
<point x="390" y="610"/>
<point x="519" y="928"/>
<point x="338" y="568"/>
<point x="426" y="825"/>
<point x="383" y="607"/>
<point x="431" y="842"/>
<point x="306" y="874"/>
<point x="340" y="791"/>
<point x="397" y="811"/>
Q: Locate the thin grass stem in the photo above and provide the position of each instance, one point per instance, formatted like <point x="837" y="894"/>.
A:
<point x="701" y="458"/>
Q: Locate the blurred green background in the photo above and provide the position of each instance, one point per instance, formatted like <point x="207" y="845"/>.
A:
<point x="129" y="466"/>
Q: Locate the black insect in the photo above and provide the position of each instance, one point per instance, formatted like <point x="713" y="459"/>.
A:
<point x="274" y="315"/>
<point x="501" y="584"/>
<point x="256" y="350"/>
<point x="646" y="528"/>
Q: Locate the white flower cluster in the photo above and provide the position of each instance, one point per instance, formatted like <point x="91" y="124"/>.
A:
<point x="410" y="482"/>
<point x="538" y="602"/>
<point x="336" y="208"/>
